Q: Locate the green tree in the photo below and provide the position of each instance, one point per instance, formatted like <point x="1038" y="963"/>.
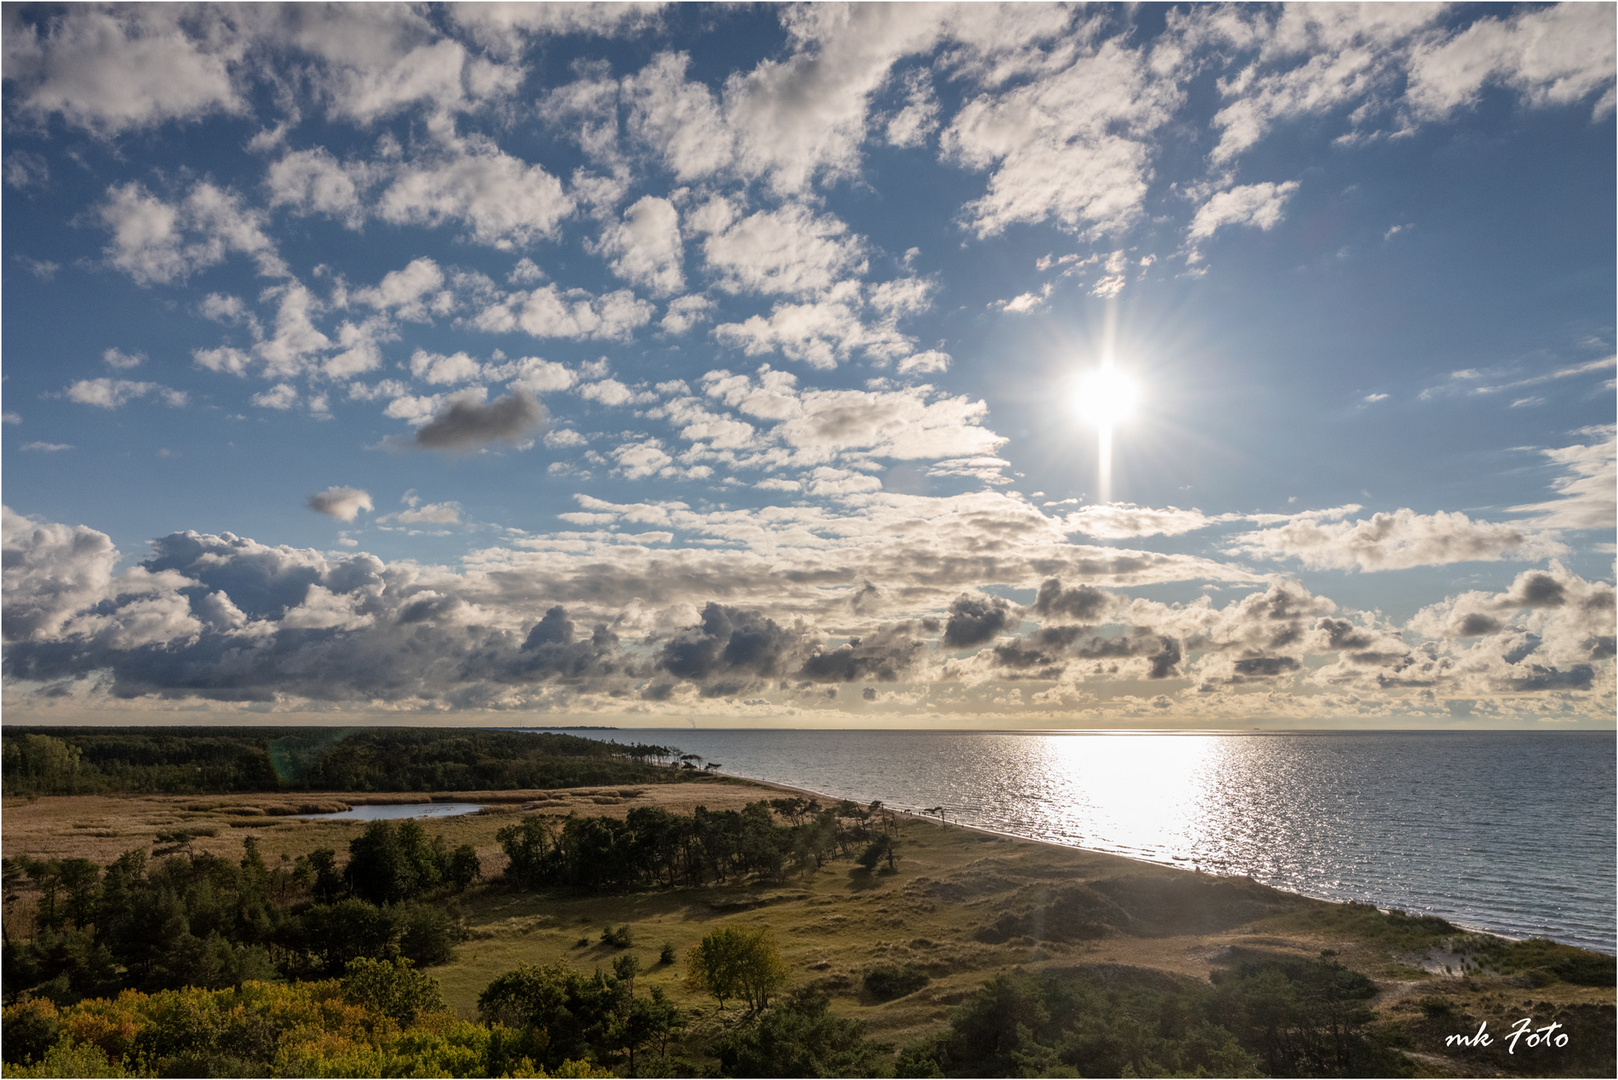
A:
<point x="392" y="988"/>
<point x="800" y="1037"/>
<point x="734" y="963"/>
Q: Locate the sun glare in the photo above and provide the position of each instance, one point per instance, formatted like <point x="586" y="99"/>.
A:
<point x="1106" y="397"/>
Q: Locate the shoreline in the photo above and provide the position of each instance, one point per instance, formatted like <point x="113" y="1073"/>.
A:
<point x="1169" y="865"/>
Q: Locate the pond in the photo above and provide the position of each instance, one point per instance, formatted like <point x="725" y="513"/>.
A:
<point x="399" y="810"/>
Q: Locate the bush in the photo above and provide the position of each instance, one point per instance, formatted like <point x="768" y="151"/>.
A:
<point x="800" y="1037"/>
<point x="888" y="981"/>
<point x="618" y="937"/>
<point x="667" y="955"/>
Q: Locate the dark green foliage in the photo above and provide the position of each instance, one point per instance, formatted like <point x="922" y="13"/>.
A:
<point x="667" y="955"/>
<point x="30" y="1030"/>
<point x="652" y="847"/>
<point x="881" y="848"/>
<point x="562" y="1014"/>
<point x="204" y="921"/>
<point x="619" y="937"/>
<point x="800" y="1037"/>
<point x="1550" y="960"/>
<point x="72" y="761"/>
<point x="888" y="981"/>
<point x="392" y="989"/>
<point x="1275" y="1017"/>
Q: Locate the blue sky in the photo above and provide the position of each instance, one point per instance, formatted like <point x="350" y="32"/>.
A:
<point x="636" y="364"/>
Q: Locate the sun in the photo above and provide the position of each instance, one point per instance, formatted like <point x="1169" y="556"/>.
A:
<point x="1106" y="397"/>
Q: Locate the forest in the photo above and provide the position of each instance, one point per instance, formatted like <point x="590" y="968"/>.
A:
<point x="194" y="761"/>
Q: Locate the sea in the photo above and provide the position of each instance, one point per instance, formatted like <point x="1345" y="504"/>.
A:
<point x="1505" y="831"/>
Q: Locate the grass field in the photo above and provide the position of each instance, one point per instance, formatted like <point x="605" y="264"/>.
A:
<point x="962" y="906"/>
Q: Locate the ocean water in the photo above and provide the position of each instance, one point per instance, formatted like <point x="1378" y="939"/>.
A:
<point x="1511" y="832"/>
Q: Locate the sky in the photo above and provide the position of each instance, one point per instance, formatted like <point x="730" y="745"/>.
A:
<point x="738" y="366"/>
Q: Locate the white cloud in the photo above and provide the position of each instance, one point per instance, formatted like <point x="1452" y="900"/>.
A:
<point x="645" y="249"/>
<point x="223" y="359"/>
<point x="684" y="312"/>
<point x="1552" y="56"/>
<point x="1396" y="541"/>
<point x="911" y="125"/>
<point x="511" y="26"/>
<point x="562" y="438"/>
<point x="1587" y="492"/>
<point x="502" y="201"/>
<point x="1023" y="303"/>
<point x="534" y="375"/>
<point x="290" y="350"/>
<point x="642" y="459"/>
<point x="115" y="69"/>
<point x="929" y="362"/>
<point x="820" y="333"/>
<point x="46" y="447"/>
<point x="419" y="513"/>
<point x="314" y="182"/>
<point x="790" y="250"/>
<point x="117" y="358"/>
<point x="1071" y="145"/>
<point x="114" y="393"/>
<point x="280" y="396"/>
<point x="549" y="312"/>
<point x="409" y="293"/>
<point x="156" y="242"/>
<point x="1120" y="521"/>
<point x="437" y="368"/>
<point x="1259" y="205"/>
<point x="378" y="59"/>
<point x="678" y="120"/>
<point x="342" y="503"/>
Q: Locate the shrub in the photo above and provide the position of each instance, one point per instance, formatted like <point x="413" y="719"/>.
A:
<point x="667" y="955"/>
<point x="888" y="981"/>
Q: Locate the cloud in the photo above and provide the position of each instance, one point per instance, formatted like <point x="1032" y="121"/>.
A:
<point x="410" y="293"/>
<point x="974" y="620"/>
<point x="1585" y="496"/>
<point x="466" y="422"/>
<point x="1396" y="541"/>
<point x="1551" y="56"/>
<point x="644" y="248"/>
<point x="503" y="202"/>
<point x="549" y="312"/>
<point x="157" y="242"/>
<point x="115" y="393"/>
<point x="1120" y="521"/>
<point x="45" y="447"/>
<point x="342" y="503"/>
<point x="444" y="513"/>
<point x="436" y="368"/>
<point x="1258" y="205"/>
<point x="116" y="358"/>
<point x="115" y="69"/>
<point x="684" y="312"/>
<point x="789" y="251"/>
<point x="315" y="182"/>
<point x="281" y="396"/>
<point x="1072" y="144"/>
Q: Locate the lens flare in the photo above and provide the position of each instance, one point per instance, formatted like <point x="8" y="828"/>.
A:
<point x="1106" y="397"/>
